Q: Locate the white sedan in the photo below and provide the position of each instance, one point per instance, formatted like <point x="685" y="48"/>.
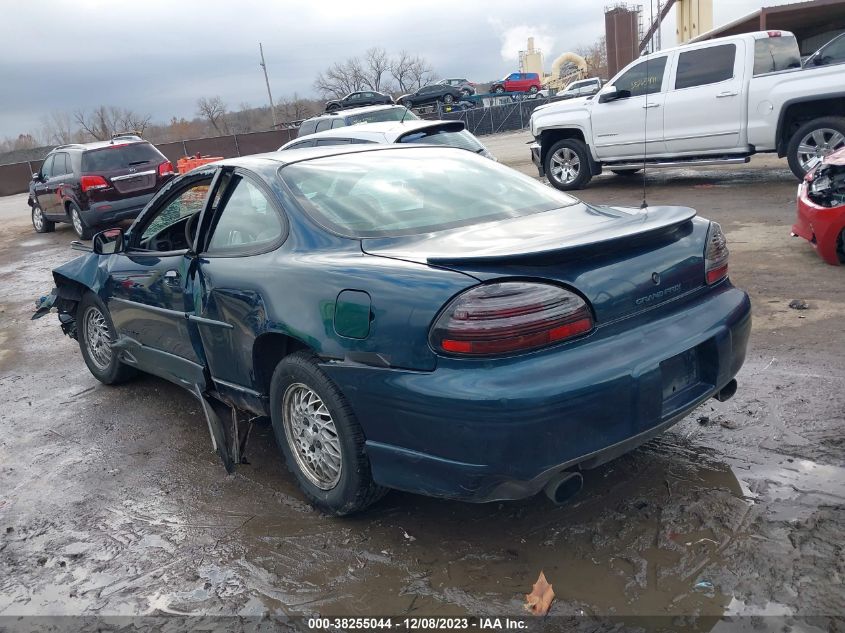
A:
<point x="449" y="133"/>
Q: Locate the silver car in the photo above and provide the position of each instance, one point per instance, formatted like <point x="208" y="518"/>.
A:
<point x="449" y="133"/>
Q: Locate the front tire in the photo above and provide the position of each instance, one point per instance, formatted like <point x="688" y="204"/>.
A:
<point x="498" y="89"/>
<point x="82" y="230"/>
<point x="39" y="222"/>
<point x="322" y="442"/>
<point x="533" y="90"/>
<point x="567" y="165"/>
<point x="813" y="141"/>
<point x="447" y="99"/>
<point x="96" y="334"/>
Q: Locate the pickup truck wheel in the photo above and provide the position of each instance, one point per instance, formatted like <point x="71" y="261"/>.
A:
<point x="321" y="440"/>
<point x="96" y="334"/>
<point x="813" y="141"/>
<point x="568" y="165"/>
<point x="39" y="222"/>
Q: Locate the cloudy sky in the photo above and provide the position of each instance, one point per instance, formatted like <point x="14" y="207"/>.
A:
<point x="159" y="56"/>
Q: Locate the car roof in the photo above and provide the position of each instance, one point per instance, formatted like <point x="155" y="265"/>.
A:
<point x="351" y="111"/>
<point x="99" y="144"/>
<point x="381" y="131"/>
<point x="259" y="162"/>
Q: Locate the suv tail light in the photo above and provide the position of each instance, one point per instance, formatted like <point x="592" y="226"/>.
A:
<point x="715" y="255"/>
<point x="508" y="317"/>
<point x="166" y="169"/>
<point x="92" y="182"/>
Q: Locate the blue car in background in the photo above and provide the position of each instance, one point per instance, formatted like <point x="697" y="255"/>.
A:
<point x="418" y="318"/>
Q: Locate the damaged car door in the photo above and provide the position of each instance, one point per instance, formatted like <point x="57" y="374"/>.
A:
<point x="147" y="286"/>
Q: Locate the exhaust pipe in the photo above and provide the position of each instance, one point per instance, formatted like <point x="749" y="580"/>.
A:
<point x="726" y="392"/>
<point x="563" y="486"/>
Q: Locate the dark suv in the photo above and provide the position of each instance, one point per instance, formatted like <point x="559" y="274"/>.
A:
<point x="94" y="185"/>
<point x="431" y="94"/>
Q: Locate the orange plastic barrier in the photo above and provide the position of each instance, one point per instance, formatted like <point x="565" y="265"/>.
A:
<point x="188" y="163"/>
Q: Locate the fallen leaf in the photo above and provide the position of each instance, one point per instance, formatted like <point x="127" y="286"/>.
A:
<point x="540" y="598"/>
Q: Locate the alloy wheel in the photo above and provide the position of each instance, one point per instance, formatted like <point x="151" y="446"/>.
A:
<point x="97" y="337"/>
<point x="77" y="222"/>
<point x="38" y="218"/>
<point x="312" y="436"/>
<point x="565" y="165"/>
<point x="816" y="145"/>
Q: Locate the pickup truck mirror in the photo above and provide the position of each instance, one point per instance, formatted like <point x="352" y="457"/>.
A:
<point x="108" y="242"/>
<point x="612" y="94"/>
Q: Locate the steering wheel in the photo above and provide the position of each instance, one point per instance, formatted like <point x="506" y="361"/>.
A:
<point x="191" y="229"/>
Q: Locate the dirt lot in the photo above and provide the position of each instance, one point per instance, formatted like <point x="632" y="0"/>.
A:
<point x="112" y="502"/>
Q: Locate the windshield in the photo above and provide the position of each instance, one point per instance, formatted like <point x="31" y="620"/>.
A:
<point x="120" y="157"/>
<point x="462" y="139"/>
<point x="414" y="191"/>
<point x="388" y="114"/>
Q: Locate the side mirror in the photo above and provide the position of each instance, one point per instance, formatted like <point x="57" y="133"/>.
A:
<point x="108" y="242"/>
<point x="37" y="177"/>
<point x="612" y="94"/>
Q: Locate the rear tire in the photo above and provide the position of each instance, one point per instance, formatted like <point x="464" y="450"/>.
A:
<point x="39" y="222"/>
<point x="322" y="442"/>
<point x="567" y="165"/>
<point x="813" y="141"/>
<point x="498" y="89"/>
<point x="466" y="93"/>
<point x="96" y="333"/>
<point x="82" y="230"/>
<point x="533" y="90"/>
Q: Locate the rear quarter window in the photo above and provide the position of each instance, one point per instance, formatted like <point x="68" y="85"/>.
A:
<point x="307" y="127"/>
<point x="121" y="157"/>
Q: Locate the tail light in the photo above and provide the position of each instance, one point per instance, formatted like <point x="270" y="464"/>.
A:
<point x="715" y="255"/>
<point x="166" y="169"/>
<point x="508" y="317"/>
<point x="92" y="182"/>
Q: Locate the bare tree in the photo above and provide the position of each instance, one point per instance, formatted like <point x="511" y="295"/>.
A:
<point x="340" y="79"/>
<point x="596" y="57"/>
<point x="411" y="71"/>
<point x="104" y="121"/>
<point x="57" y="128"/>
<point x="214" y="111"/>
<point x="376" y="66"/>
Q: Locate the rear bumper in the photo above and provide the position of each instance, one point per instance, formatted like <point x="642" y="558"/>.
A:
<point x="485" y="431"/>
<point x="101" y="214"/>
<point x="821" y="226"/>
<point x="536" y="158"/>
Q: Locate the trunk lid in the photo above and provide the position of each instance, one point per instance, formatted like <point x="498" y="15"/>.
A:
<point x="622" y="260"/>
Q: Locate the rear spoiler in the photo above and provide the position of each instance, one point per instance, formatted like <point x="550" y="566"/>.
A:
<point x="435" y="128"/>
<point x="643" y="225"/>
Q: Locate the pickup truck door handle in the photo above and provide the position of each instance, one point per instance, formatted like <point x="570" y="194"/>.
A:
<point x="722" y="95"/>
<point x="651" y="105"/>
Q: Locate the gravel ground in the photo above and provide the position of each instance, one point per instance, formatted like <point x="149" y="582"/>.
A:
<point x="112" y="502"/>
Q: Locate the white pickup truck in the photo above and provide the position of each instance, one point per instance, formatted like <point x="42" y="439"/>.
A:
<point x="712" y="102"/>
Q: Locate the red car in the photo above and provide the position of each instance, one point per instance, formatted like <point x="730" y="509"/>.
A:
<point x="821" y="209"/>
<point x="518" y="82"/>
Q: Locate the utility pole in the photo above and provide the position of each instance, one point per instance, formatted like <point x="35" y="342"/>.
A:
<point x="659" y="19"/>
<point x="267" y="81"/>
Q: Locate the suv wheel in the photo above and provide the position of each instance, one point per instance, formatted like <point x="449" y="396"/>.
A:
<point x="813" y="141"/>
<point x="498" y="89"/>
<point x="567" y="165"/>
<point x="39" y="222"/>
<point x="533" y="90"/>
<point x="321" y="440"/>
<point x="448" y="98"/>
<point x="83" y="231"/>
